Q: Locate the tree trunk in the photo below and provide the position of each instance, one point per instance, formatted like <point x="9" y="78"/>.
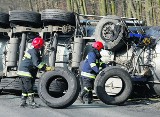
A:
<point x="84" y="7"/>
<point x="76" y="9"/>
<point x="112" y="7"/>
<point x="120" y="8"/>
<point x="81" y="7"/>
<point x="30" y="4"/>
<point x="93" y="7"/>
<point x="69" y="8"/>
<point x="37" y="5"/>
<point x="128" y="11"/>
<point x="147" y="11"/>
<point x="103" y="7"/>
<point x="131" y="8"/>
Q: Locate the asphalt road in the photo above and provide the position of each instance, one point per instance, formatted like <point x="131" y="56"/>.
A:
<point x="9" y="107"/>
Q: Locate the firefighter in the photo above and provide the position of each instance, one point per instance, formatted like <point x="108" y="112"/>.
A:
<point x="27" y="71"/>
<point x="89" y="70"/>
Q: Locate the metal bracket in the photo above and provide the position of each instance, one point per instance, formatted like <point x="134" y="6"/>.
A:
<point x="51" y="28"/>
<point x="5" y="30"/>
<point x="64" y="29"/>
<point x="25" y="29"/>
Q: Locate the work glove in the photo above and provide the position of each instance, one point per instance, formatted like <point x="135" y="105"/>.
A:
<point x="49" y="68"/>
<point x="43" y="68"/>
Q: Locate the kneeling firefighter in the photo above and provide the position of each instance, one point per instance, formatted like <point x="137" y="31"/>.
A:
<point x="89" y="70"/>
<point x="27" y="71"/>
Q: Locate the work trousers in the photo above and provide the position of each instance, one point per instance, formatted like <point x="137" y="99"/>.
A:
<point x="88" y="82"/>
<point x="27" y="84"/>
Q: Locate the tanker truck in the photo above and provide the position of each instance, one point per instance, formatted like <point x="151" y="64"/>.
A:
<point x="132" y="60"/>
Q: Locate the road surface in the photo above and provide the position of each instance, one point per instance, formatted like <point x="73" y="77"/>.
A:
<point x="9" y="107"/>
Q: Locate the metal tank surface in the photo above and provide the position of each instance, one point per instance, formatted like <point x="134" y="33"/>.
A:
<point x="3" y="42"/>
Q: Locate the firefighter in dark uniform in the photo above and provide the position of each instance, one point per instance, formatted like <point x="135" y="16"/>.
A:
<point x="89" y="70"/>
<point x="27" y="71"/>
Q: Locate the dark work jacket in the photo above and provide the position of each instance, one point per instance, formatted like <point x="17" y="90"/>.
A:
<point x="91" y="64"/>
<point x="30" y="63"/>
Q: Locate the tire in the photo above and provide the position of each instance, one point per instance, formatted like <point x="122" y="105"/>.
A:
<point x="156" y="88"/>
<point x="52" y="16"/>
<point x="154" y="84"/>
<point x="110" y="32"/>
<point x="25" y="18"/>
<point x="4" y="20"/>
<point x="56" y="99"/>
<point x="123" y="94"/>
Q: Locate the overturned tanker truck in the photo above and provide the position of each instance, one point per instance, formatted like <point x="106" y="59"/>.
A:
<point x="131" y="52"/>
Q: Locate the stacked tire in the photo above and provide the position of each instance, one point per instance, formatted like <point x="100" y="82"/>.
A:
<point x="4" y="20"/>
<point x="25" y="18"/>
<point x="57" y="17"/>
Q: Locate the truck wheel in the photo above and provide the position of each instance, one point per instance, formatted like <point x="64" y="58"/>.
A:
<point x="4" y="20"/>
<point x="58" y="98"/>
<point x="110" y="32"/>
<point x="25" y="18"/>
<point x="157" y="88"/>
<point x="58" y="16"/>
<point x="154" y="84"/>
<point x="113" y="85"/>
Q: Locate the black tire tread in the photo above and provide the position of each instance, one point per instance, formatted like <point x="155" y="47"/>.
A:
<point x="66" y="100"/>
<point x="100" y="91"/>
<point x="57" y="15"/>
<point x="21" y="17"/>
<point x="4" y="20"/>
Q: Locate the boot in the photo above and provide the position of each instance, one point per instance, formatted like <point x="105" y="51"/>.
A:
<point x="90" y="97"/>
<point x="32" y="103"/>
<point x="23" y="101"/>
<point x="80" y="97"/>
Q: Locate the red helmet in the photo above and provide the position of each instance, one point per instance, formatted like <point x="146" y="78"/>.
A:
<point x="38" y="43"/>
<point x="98" y="45"/>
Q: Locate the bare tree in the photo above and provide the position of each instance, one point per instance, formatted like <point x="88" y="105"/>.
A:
<point x="30" y="4"/>
<point x="69" y="7"/>
<point x="103" y="10"/>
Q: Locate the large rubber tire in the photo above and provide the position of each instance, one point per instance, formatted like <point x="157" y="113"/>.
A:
<point x="4" y="20"/>
<point x="60" y="101"/>
<point x="58" y="16"/>
<point x="157" y="88"/>
<point x="110" y="32"/>
<point x="25" y="18"/>
<point x="124" y="93"/>
<point x="154" y="83"/>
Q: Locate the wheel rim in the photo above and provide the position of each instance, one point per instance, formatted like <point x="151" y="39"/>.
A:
<point x="108" y="31"/>
<point x="114" y="86"/>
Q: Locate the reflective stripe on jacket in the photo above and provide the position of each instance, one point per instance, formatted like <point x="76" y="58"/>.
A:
<point x="22" y="73"/>
<point x="30" y="63"/>
<point x="89" y="75"/>
<point x="92" y="64"/>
